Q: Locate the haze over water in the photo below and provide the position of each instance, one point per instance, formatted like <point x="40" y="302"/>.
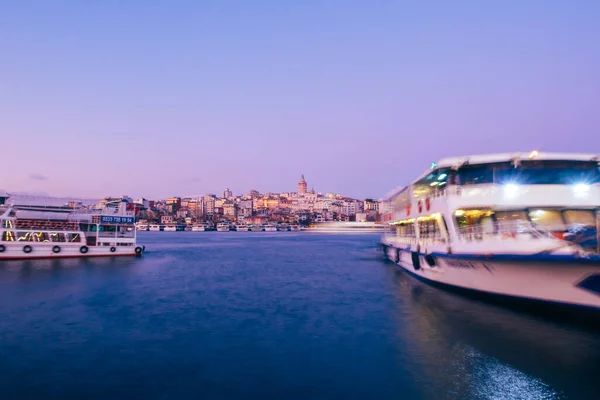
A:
<point x="260" y="315"/>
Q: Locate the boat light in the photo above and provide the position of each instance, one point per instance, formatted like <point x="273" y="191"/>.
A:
<point x="533" y="154"/>
<point x="511" y="190"/>
<point x="459" y="213"/>
<point x="581" y="189"/>
<point x="442" y="176"/>
<point x="538" y="213"/>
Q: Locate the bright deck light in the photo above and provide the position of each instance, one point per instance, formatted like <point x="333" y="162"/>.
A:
<point x="511" y="190"/>
<point x="581" y="189"/>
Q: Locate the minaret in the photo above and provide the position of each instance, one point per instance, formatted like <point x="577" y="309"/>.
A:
<point x="302" y="185"/>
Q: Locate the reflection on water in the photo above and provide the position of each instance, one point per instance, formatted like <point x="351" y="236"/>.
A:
<point x="485" y="351"/>
<point x="244" y="315"/>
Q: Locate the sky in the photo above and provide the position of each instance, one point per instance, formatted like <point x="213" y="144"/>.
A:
<point x="174" y="98"/>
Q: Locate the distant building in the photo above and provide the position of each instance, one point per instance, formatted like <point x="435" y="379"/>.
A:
<point x="174" y="204"/>
<point x="253" y="194"/>
<point x="227" y="193"/>
<point x="361" y="217"/>
<point x="230" y="209"/>
<point x="166" y="219"/>
<point x="302" y="185"/>
<point x="145" y="204"/>
<point x="370" y="204"/>
<point x="208" y="204"/>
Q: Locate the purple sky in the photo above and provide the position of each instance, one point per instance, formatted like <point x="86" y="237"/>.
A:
<point x="161" y="98"/>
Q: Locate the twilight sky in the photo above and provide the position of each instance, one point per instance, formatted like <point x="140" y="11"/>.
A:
<point x="163" y="98"/>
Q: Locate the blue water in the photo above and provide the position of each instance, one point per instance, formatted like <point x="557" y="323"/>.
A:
<point x="271" y="315"/>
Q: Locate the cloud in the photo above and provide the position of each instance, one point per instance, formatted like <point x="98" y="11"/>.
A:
<point x="38" y="177"/>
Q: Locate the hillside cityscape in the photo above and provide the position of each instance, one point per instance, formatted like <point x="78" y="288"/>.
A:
<point x="301" y="207"/>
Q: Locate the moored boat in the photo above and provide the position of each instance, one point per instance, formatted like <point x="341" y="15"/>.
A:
<point x="48" y="231"/>
<point x="198" y="228"/>
<point x="256" y="228"/>
<point x="518" y="225"/>
<point x="223" y="227"/>
<point x="242" y="228"/>
<point x="270" y="228"/>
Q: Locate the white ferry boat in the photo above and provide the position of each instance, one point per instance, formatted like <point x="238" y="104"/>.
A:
<point x="256" y="228"/>
<point x="198" y="228"/>
<point x="283" y="227"/>
<point x="521" y="225"/>
<point x="223" y="227"/>
<point x="170" y="228"/>
<point x="40" y="230"/>
<point x="155" y="228"/>
<point x="141" y="227"/>
<point x="270" y="228"/>
<point x="242" y="228"/>
<point x="294" y="228"/>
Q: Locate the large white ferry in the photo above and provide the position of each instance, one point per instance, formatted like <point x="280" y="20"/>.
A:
<point x="523" y="225"/>
<point x="39" y="230"/>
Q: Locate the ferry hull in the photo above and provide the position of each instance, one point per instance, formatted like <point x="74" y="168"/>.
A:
<point x="44" y="251"/>
<point x="549" y="280"/>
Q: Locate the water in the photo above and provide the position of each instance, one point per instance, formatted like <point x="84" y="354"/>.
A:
<point x="271" y="315"/>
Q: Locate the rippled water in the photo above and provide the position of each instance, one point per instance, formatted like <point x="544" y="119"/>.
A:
<point x="271" y="315"/>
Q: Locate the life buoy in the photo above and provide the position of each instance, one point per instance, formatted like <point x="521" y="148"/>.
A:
<point x="2" y="248"/>
<point x="56" y="249"/>
<point x="408" y="210"/>
<point x="83" y="249"/>
<point x="27" y="249"/>
<point x="427" y="203"/>
<point x="113" y="249"/>
<point x="420" y="206"/>
<point x="138" y="251"/>
<point x="509" y="235"/>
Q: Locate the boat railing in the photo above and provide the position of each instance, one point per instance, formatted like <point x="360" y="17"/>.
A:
<point x="105" y="211"/>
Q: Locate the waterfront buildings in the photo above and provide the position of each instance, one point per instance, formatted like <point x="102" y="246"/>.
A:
<point x="303" y="207"/>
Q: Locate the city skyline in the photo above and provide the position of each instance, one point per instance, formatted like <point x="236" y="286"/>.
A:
<point x="160" y="99"/>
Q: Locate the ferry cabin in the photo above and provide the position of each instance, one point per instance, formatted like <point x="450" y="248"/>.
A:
<point x="529" y="218"/>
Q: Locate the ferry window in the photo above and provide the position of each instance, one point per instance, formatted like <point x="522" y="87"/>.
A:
<point x="23" y="236"/>
<point x="57" y="237"/>
<point x="512" y="221"/>
<point x="547" y="219"/>
<point x="473" y="224"/>
<point x="551" y="173"/>
<point x="7" y="223"/>
<point x="436" y="179"/>
<point x="73" y="237"/>
<point x="429" y="229"/>
<point x="405" y="230"/>
<point x="40" y="237"/>
<point x="477" y="174"/>
<point x="8" y="236"/>
<point x="584" y="217"/>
